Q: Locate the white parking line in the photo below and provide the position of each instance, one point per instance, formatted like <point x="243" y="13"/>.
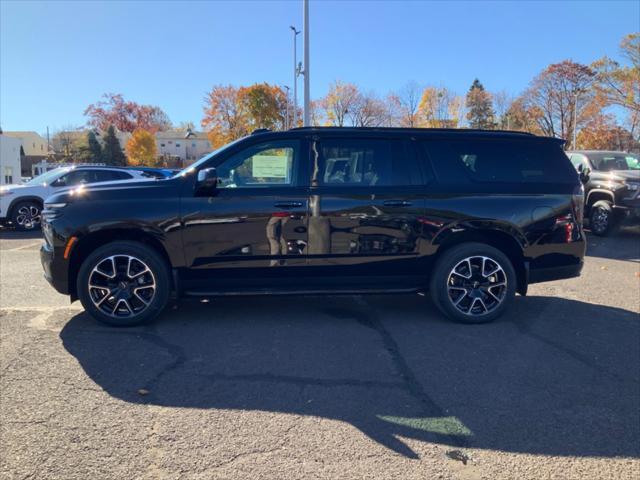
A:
<point x="24" y="247"/>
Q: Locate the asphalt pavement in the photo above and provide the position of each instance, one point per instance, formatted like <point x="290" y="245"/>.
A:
<point x="325" y="387"/>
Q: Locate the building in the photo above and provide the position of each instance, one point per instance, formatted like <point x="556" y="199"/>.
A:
<point x="34" y="149"/>
<point x="10" y="165"/>
<point x="182" y="147"/>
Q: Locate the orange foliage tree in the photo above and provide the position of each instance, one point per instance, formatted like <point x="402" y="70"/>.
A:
<point x="126" y="116"/>
<point x="141" y="148"/>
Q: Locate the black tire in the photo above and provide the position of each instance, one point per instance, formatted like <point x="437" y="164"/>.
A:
<point x="487" y="293"/>
<point x="602" y="219"/>
<point x="26" y="215"/>
<point x="97" y="302"/>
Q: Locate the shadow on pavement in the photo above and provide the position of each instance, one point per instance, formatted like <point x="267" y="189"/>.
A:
<point x="623" y="244"/>
<point x="11" y="234"/>
<point x="555" y="377"/>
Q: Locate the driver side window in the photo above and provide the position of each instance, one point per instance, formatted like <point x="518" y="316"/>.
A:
<point x="262" y="165"/>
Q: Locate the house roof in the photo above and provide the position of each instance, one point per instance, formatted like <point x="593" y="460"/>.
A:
<point x="181" y="135"/>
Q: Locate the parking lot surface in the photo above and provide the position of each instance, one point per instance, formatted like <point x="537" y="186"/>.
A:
<point x="325" y="387"/>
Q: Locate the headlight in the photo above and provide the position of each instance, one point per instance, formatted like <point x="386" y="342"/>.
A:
<point x="6" y="192"/>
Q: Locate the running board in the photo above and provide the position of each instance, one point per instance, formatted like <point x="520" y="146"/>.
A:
<point x="252" y="292"/>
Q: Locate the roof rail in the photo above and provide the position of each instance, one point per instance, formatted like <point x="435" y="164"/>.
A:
<point x="414" y="129"/>
<point x="260" y="130"/>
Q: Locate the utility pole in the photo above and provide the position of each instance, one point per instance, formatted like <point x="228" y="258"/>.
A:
<point x="287" y="116"/>
<point x="575" y="121"/>
<point x="296" y="72"/>
<point x="307" y="100"/>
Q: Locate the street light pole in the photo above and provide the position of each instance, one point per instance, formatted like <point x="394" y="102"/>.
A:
<point x="575" y="121"/>
<point x="287" y="116"/>
<point x="307" y="100"/>
<point x="295" y="75"/>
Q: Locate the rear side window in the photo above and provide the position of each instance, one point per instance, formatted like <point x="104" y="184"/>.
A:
<point x="364" y="163"/>
<point x="495" y="161"/>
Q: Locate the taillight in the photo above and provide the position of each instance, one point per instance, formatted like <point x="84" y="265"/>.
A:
<point x="577" y="203"/>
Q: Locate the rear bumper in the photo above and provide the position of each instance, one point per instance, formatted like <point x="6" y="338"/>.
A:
<point x="55" y="269"/>
<point x="555" y="273"/>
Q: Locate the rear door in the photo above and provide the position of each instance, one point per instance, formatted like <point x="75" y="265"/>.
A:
<point x="364" y="208"/>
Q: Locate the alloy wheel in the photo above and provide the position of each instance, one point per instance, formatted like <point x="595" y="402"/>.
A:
<point x="599" y="220"/>
<point x="28" y="216"/>
<point x="477" y="285"/>
<point x="121" y="286"/>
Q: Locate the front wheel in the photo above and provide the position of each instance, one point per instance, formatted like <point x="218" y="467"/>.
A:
<point x="26" y="215"/>
<point x="602" y="220"/>
<point x="124" y="283"/>
<point x="473" y="283"/>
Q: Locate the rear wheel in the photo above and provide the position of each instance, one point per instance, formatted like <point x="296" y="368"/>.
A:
<point x="124" y="283"/>
<point x="26" y="215"/>
<point x="473" y="283"/>
<point x="602" y="220"/>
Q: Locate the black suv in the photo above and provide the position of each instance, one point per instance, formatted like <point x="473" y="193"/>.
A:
<point x="471" y="216"/>
<point x="612" y="187"/>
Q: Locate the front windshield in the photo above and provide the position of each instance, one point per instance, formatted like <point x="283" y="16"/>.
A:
<point x="47" y="177"/>
<point x="614" y="161"/>
<point x="196" y="165"/>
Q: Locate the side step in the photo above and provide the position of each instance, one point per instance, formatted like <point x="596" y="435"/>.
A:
<point x="298" y="291"/>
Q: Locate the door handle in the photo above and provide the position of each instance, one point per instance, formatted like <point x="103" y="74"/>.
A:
<point x="397" y="203"/>
<point x="288" y="204"/>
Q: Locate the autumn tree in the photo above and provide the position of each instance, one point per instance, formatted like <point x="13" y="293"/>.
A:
<point x="559" y="94"/>
<point x="263" y="105"/>
<point x="224" y="118"/>
<point x="602" y="133"/>
<point x="341" y="100"/>
<point x="112" y="153"/>
<point x="141" y="148"/>
<point x="479" y="105"/>
<point x="522" y="117"/>
<point x="439" y="107"/>
<point x="620" y="84"/>
<point x="502" y="102"/>
<point x="126" y="116"/>
<point x="406" y="102"/>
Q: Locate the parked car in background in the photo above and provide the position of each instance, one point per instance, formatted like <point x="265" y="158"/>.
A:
<point x="21" y="205"/>
<point x="153" y="172"/>
<point x="612" y="187"/>
<point x="471" y="216"/>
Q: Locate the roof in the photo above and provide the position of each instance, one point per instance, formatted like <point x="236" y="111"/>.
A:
<point x="25" y="134"/>
<point x="617" y="152"/>
<point x="181" y="135"/>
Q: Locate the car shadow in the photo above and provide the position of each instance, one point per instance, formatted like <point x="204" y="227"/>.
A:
<point x="554" y="377"/>
<point x="624" y="244"/>
<point x="12" y="234"/>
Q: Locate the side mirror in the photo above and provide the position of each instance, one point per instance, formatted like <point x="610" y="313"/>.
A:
<point x="584" y="173"/>
<point x="207" y="180"/>
<point x="60" y="182"/>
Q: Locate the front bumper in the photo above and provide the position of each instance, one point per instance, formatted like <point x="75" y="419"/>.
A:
<point x="55" y="268"/>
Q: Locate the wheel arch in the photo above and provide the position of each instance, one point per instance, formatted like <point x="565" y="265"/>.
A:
<point x="27" y="198"/>
<point x="89" y="242"/>
<point x="598" y="194"/>
<point x="506" y="239"/>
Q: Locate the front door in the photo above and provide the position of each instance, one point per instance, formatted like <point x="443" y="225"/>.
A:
<point x="365" y="205"/>
<point x="254" y="224"/>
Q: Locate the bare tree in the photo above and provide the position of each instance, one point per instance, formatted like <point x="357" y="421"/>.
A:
<point x="502" y="101"/>
<point x="408" y="101"/>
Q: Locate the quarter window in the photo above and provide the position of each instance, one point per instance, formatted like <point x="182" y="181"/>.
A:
<point x="263" y="165"/>
<point x="497" y="161"/>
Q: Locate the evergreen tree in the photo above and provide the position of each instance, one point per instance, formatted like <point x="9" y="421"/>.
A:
<point x="94" y="146"/>
<point x="111" y="151"/>
<point x="480" y="107"/>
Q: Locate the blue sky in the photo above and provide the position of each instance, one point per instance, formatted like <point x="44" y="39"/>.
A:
<point x="57" y="57"/>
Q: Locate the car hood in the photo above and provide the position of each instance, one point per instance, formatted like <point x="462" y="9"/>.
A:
<point x="620" y="175"/>
<point x="24" y="189"/>
<point x="103" y="190"/>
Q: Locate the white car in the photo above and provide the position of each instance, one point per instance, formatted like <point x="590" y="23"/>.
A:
<point x="21" y="205"/>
